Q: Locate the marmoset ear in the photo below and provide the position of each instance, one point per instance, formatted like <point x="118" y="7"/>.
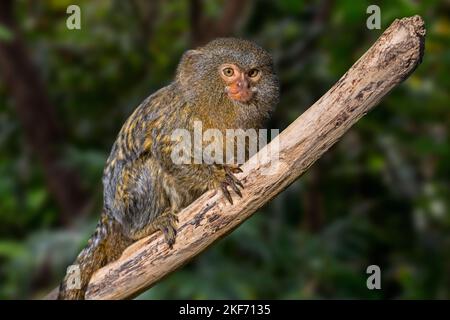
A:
<point x="188" y="65"/>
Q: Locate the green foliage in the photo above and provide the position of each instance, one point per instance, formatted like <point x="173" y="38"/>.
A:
<point x="381" y="194"/>
<point x="5" y="34"/>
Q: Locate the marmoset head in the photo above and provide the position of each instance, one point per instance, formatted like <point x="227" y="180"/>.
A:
<point x="229" y="70"/>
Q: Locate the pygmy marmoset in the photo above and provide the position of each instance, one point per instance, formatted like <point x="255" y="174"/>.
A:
<point x="227" y="84"/>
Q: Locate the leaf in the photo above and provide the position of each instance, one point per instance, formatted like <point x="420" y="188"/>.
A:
<point x="5" y="34"/>
<point x="36" y="198"/>
<point x="10" y="249"/>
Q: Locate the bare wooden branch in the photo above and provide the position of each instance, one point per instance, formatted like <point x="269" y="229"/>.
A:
<point x="386" y="64"/>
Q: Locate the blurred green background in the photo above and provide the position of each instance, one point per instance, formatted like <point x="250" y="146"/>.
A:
<point x="379" y="196"/>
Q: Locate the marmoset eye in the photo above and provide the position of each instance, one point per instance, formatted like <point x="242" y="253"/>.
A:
<point x="229" y="72"/>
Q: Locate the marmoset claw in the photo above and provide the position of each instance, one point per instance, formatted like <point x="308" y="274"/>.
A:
<point x="232" y="182"/>
<point x="168" y="225"/>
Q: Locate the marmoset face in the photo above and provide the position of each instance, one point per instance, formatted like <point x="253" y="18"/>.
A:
<point x="230" y="69"/>
<point x="240" y="83"/>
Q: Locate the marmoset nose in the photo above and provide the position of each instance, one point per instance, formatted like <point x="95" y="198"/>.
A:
<point x="243" y="84"/>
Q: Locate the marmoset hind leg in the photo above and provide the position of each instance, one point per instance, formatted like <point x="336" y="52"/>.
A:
<point x="166" y="222"/>
<point x="148" y="200"/>
<point x="215" y="177"/>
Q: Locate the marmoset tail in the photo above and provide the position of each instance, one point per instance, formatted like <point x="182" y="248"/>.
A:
<point x="227" y="84"/>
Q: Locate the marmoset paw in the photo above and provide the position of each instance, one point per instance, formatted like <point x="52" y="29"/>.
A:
<point x="167" y="223"/>
<point x="231" y="181"/>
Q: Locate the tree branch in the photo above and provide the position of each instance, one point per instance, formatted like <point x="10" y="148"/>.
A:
<point x="387" y="63"/>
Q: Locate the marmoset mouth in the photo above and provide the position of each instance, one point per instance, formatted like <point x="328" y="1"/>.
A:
<point x="239" y="94"/>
